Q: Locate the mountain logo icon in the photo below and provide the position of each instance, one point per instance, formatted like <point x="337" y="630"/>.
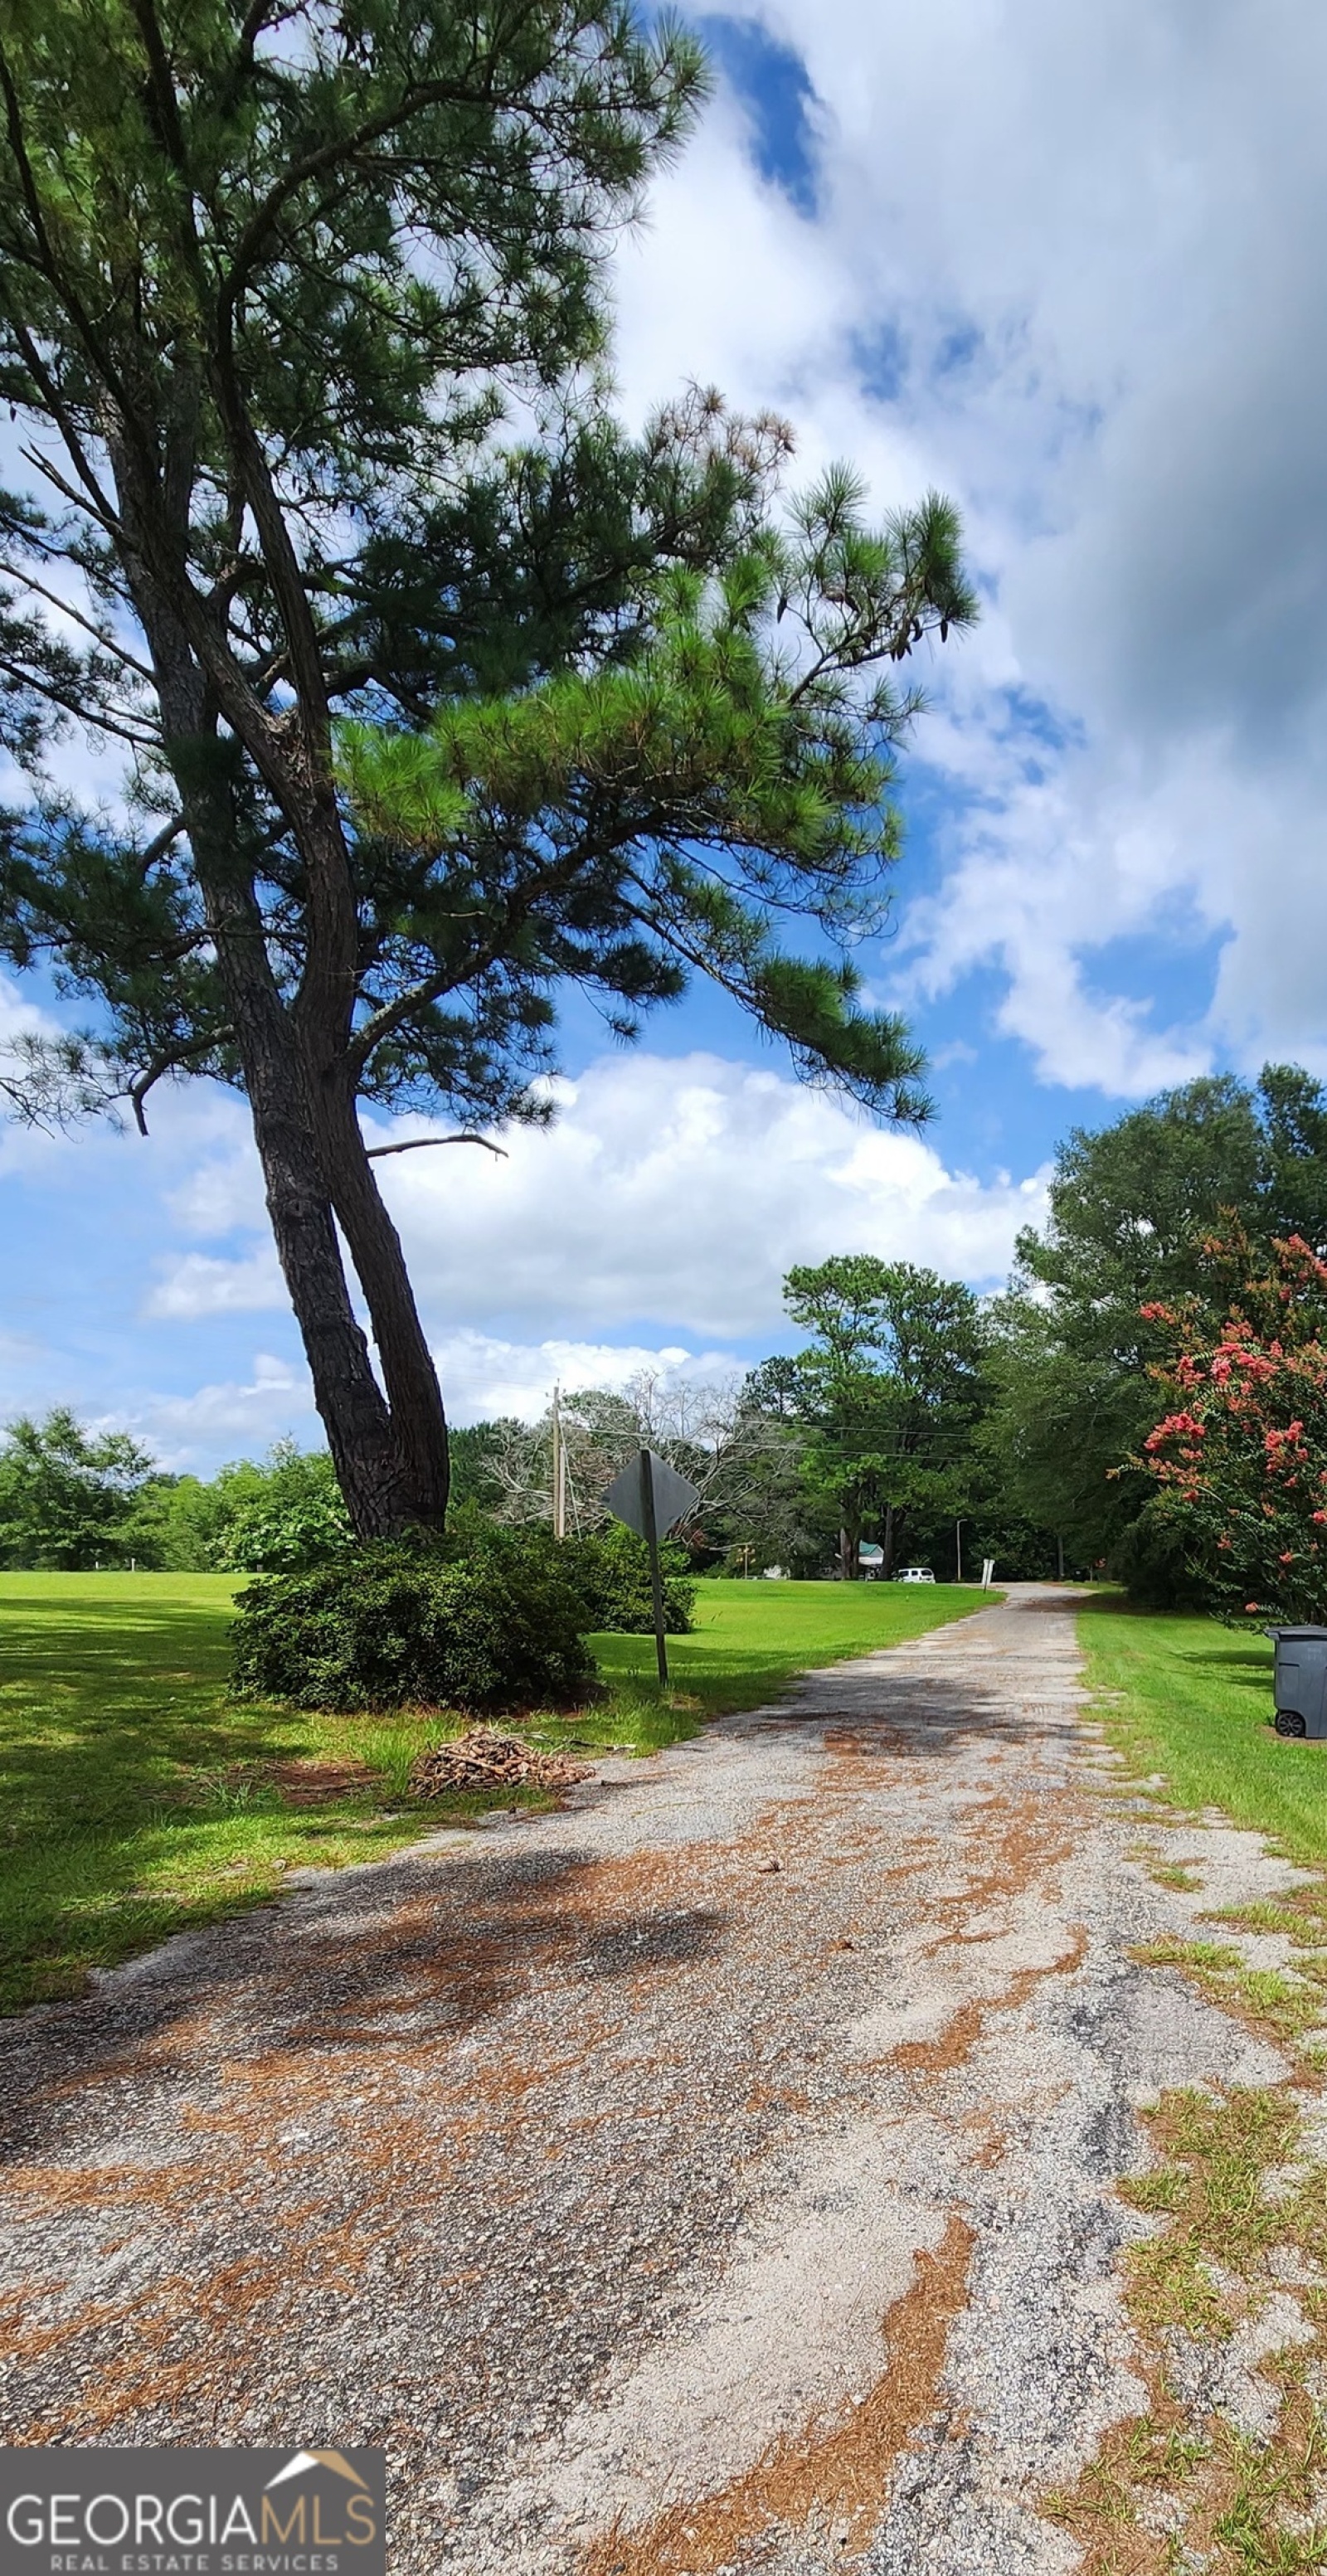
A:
<point x="302" y="2461"/>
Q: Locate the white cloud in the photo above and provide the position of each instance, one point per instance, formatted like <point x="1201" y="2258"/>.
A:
<point x="22" y="1148"/>
<point x="1090" y="243"/>
<point x="680" y="1190"/>
<point x="186" y="1431"/>
<point x="483" y="1377"/>
<point x="672" y="1190"/>
<point x="195" y="1284"/>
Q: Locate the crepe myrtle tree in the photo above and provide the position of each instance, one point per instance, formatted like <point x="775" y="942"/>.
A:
<point x="420" y="722"/>
<point x="1238" y="1458"/>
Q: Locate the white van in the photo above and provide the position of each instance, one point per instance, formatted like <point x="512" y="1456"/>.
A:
<point x="915" y="1574"/>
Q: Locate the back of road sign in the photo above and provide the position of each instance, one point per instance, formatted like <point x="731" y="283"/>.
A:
<point x="674" y="1496"/>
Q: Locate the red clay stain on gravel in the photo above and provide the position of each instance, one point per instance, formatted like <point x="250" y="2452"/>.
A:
<point x="1018" y="1845"/>
<point x="863" y="1742"/>
<point x="840" y="2471"/>
<point x="949" y="2047"/>
<point x="954" y="2044"/>
<point x="1019" y="1849"/>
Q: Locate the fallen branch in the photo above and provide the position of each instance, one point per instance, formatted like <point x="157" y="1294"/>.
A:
<point x="486" y="1759"/>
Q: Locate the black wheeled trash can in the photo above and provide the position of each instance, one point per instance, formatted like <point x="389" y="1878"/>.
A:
<point x="1299" y="1684"/>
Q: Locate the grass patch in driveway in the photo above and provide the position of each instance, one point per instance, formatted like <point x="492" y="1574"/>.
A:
<point x="1194" y="2481"/>
<point x="1192" y="1701"/>
<point x="1224" y="2471"/>
<point x="138" y="1799"/>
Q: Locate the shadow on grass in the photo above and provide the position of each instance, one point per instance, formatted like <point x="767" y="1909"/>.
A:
<point x="1110" y="1604"/>
<point x="105" y="1731"/>
<point x="136" y="1797"/>
<point x="1240" y="1672"/>
<point x="132" y="1796"/>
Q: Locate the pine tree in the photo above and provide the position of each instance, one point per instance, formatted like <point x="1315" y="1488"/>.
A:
<point x="418" y="722"/>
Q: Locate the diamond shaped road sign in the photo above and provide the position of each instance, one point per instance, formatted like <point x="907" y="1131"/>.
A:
<point x="674" y="1495"/>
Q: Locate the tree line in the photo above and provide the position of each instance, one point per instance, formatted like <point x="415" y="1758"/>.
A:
<point x="1147" y="1398"/>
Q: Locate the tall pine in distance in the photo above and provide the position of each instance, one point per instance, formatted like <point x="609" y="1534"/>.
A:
<point x="417" y="723"/>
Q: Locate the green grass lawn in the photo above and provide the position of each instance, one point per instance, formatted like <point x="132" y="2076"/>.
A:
<point x="750" y="1638"/>
<point x="1195" y="1704"/>
<point x="138" y="1799"/>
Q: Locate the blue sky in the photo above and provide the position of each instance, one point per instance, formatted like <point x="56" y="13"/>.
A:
<point x="1065" y="265"/>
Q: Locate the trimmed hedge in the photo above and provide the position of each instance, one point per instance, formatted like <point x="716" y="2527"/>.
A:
<point x="387" y="1626"/>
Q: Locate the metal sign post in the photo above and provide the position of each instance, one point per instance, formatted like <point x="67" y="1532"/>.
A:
<point x="651" y="1536"/>
<point x="651" y="1498"/>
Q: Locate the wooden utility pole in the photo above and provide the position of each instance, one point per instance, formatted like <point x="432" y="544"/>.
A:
<point x="559" y="1469"/>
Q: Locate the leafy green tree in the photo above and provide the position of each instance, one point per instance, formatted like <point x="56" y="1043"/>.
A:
<point x="176" y="1524"/>
<point x="67" y="1494"/>
<point x="282" y="1516"/>
<point x="1133" y="1208"/>
<point x="266" y="271"/>
<point x="889" y="1392"/>
<point x="474" y="1483"/>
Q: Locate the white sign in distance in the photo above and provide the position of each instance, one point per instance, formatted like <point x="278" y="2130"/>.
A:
<point x="674" y="1496"/>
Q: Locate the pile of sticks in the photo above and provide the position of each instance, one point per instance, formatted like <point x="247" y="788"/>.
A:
<point x="487" y="1759"/>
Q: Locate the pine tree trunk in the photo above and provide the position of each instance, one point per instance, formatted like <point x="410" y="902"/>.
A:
<point x="360" y="1434"/>
<point x="369" y="1467"/>
<point x="418" y="1419"/>
<point x="390" y="1453"/>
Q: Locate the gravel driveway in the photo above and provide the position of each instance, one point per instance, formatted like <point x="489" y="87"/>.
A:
<point x="715" y="2175"/>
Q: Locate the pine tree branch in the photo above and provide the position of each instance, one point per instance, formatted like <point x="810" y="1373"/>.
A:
<point x="109" y="645"/>
<point x="345" y="147"/>
<point x="97" y="718"/>
<point x="170" y="1060"/>
<point x="72" y="304"/>
<point x="415" y="1145"/>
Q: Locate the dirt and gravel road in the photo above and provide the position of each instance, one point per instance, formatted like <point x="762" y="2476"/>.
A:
<point x="715" y="2175"/>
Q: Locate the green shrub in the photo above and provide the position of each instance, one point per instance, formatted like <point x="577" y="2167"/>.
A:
<point x="613" y="1568"/>
<point x="389" y="1626"/>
